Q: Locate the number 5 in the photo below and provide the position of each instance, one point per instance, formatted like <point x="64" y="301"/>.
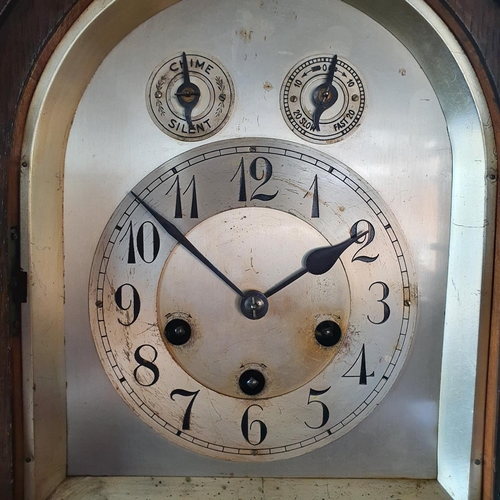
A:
<point x="326" y="411"/>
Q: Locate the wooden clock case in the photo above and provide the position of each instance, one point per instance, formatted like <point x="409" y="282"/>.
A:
<point x="29" y="33"/>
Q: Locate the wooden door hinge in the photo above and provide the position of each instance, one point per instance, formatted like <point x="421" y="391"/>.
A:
<point x="18" y="278"/>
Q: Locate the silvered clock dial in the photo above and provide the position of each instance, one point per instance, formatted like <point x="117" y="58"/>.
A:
<point x="252" y="299"/>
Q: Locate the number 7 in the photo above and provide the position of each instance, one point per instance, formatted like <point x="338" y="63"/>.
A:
<point x="187" y="416"/>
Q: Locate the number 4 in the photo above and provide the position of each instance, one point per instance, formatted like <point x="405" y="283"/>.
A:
<point x="362" y="369"/>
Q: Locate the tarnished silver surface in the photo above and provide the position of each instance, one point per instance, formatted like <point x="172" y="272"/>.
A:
<point x="340" y="107"/>
<point x="312" y="394"/>
<point x="207" y="91"/>
<point x="401" y="149"/>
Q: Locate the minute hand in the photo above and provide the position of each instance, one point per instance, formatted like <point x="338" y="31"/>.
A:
<point x="319" y="261"/>
<point x="182" y="240"/>
<point x="325" y="95"/>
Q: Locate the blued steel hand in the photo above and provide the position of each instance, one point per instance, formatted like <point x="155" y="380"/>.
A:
<point x="325" y="95"/>
<point x="319" y="261"/>
<point x="188" y="94"/>
<point x="182" y="240"/>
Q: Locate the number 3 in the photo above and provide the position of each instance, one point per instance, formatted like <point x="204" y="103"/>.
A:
<point x="385" y="294"/>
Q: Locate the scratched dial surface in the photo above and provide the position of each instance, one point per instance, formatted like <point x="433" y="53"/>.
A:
<point x="255" y="208"/>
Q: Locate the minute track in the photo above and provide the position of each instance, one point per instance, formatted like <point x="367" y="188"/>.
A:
<point x="222" y="160"/>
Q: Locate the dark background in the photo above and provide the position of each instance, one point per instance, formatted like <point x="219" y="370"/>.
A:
<point x="29" y="31"/>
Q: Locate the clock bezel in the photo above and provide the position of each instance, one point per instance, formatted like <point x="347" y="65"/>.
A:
<point x="48" y="119"/>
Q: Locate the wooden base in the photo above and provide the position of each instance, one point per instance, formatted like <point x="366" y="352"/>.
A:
<point x="206" y="488"/>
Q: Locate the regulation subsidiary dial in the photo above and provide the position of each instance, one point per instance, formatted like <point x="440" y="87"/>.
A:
<point x="190" y="96"/>
<point x="323" y="99"/>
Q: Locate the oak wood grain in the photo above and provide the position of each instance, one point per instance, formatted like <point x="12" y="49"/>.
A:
<point x="481" y="18"/>
<point x="29" y="30"/>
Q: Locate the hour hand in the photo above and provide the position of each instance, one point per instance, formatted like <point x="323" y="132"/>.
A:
<point x="188" y="94"/>
<point x="317" y="262"/>
<point x="182" y="240"/>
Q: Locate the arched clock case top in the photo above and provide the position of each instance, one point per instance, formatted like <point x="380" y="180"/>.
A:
<point x="39" y="481"/>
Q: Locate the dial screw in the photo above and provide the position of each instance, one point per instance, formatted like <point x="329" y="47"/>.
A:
<point x="355" y="97"/>
<point x="328" y="333"/>
<point x="178" y="331"/>
<point x="252" y="382"/>
<point x="254" y="305"/>
<point x="294" y="98"/>
<point x="158" y="95"/>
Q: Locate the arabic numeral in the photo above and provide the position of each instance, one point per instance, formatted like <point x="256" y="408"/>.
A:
<point x="243" y="186"/>
<point x="246" y="427"/>
<point x="186" y="421"/>
<point x="146" y="373"/>
<point x="362" y="376"/>
<point x="193" y="214"/>
<point x="147" y="242"/>
<point x="260" y="169"/>
<point x="386" y="309"/>
<point x="364" y="240"/>
<point x="324" y="409"/>
<point x="127" y="299"/>
<point x="315" y="202"/>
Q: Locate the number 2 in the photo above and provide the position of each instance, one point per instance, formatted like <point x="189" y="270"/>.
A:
<point x="364" y="241"/>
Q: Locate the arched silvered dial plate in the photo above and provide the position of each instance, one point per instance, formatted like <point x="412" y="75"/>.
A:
<point x="401" y="149"/>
